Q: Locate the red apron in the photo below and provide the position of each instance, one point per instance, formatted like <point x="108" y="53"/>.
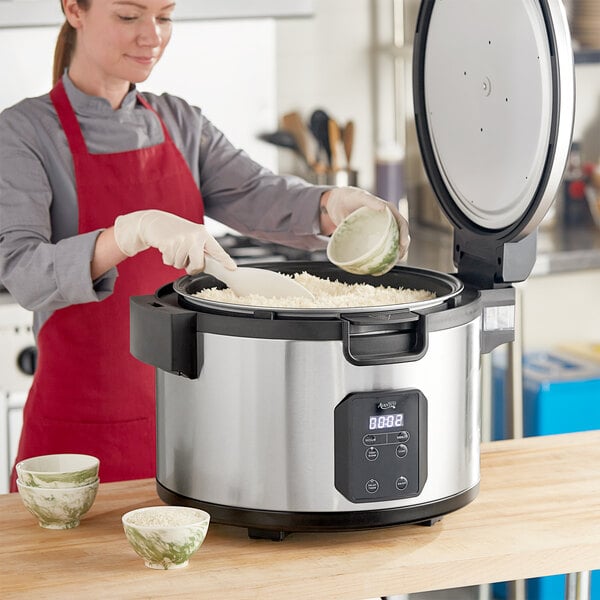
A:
<point x="89" y="395"/>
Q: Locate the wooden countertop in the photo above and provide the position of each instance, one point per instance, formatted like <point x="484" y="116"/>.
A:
<point x="538" y="513"/>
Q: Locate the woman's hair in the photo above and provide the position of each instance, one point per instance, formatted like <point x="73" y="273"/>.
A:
<point x="65" y="44"/>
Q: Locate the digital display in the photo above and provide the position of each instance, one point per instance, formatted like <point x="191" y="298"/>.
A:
<point x="386" y="421"/>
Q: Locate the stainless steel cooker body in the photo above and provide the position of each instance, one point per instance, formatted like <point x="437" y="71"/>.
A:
<point x="256" y="430"/>
<point x="282" y="420"/>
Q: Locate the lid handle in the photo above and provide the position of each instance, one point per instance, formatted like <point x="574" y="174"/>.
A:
<point x="383" y="338"/>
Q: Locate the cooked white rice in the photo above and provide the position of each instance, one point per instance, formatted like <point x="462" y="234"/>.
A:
<point x="327" y="293"/>
<point x="161" y="517"/>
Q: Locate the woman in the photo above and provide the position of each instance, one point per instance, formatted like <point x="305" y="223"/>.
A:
<point x="95" y="175"/>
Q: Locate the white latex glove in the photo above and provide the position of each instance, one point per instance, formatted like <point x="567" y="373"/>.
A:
<point x="345" y="200"/>
<point x="182" y="243"/>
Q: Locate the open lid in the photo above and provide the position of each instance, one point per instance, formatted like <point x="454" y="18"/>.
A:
<point x="494" y="91"/>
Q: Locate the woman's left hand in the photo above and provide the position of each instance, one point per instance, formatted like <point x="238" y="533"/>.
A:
<point x="338" y="203"/>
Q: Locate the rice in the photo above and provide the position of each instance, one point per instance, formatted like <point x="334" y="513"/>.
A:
<point x="163" y="517"/>
<point x="327" y="293"/>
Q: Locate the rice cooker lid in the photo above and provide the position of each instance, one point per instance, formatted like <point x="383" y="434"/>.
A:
<point x="493" y="88"/>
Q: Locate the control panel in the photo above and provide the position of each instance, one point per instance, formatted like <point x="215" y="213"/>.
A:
<point x="381" y="445"/>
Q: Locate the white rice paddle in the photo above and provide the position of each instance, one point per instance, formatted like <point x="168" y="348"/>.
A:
<point x="245" y="281"/>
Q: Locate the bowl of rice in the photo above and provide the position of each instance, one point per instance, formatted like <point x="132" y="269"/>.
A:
<point x="165" y="537"/>
<point x="366" y="242"/>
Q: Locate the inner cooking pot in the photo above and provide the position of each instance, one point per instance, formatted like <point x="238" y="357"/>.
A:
<point x="370" y="335"/>
<point x="442" y="285"/>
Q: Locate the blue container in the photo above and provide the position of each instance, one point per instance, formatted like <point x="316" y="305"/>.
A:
<point x="547" y="588"/>
<point x="561" y="394"/>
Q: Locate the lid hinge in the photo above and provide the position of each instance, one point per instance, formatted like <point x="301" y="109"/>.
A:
<point x="487" y="263"/>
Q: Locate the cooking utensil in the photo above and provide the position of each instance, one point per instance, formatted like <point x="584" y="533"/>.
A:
<point x="283" y="139"/>
<point x="348" y="141"/>
<point x="245" y="281"/>
<point x="334" y="135"/>
<point x="319" y="126"/>
<point x="292" y="123"/>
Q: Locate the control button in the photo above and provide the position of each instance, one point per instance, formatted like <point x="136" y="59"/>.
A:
<point x="372" y="439"/>
<point x="372" y="453"/>
<point x="400" y="437"/>
<point x="401" y="483"/>
<point x="372" y="486"/>
<point x="401" y="451"/>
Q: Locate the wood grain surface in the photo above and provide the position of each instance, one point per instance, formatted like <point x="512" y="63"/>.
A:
<point x="538" y="513"/>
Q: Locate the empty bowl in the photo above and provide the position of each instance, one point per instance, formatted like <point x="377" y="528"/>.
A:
<point x="366" y="242"/>
<point x="58" y="508"/>
<point x="58" y="470"/>
<point x="166" y="536"/>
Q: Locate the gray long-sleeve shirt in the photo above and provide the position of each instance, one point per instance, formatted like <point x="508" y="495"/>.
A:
<point x="45" y="263"/>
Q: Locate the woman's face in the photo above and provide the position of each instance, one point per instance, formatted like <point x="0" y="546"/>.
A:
<point x="119" y="40"/>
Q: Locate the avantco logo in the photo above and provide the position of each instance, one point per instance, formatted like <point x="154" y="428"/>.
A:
<point x="387" y="405"/>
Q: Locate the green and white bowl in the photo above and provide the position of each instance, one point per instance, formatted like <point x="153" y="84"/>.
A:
<point x="366" y="242"/>
<point x="58" y="470"/>
<point x="166" y="536"/>
<point x="58" y="508"/>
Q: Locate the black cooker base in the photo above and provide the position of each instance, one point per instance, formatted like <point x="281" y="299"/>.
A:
<point x="276" y="525"/>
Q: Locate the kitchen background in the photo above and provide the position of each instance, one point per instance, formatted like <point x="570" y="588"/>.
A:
<point x="247" y="66"/>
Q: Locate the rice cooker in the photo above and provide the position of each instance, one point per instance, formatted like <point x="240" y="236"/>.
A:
<point x="280" y="419"/>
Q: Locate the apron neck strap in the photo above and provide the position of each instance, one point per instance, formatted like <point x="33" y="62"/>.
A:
<point x="67" y="118"/>
<point x="146" y="105"/>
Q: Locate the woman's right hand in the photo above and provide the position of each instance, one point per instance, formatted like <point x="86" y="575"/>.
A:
<point x="182" y="243"/>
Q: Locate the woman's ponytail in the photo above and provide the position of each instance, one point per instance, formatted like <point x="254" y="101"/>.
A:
<point x="63" y="51"/>
<point x="65" y="44"/>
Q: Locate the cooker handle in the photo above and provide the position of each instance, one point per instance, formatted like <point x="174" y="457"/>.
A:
<point x="384" y="338"/>
<point x="164" y="336"/>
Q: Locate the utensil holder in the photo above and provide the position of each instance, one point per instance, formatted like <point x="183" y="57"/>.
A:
<point x="339" y="178"/>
